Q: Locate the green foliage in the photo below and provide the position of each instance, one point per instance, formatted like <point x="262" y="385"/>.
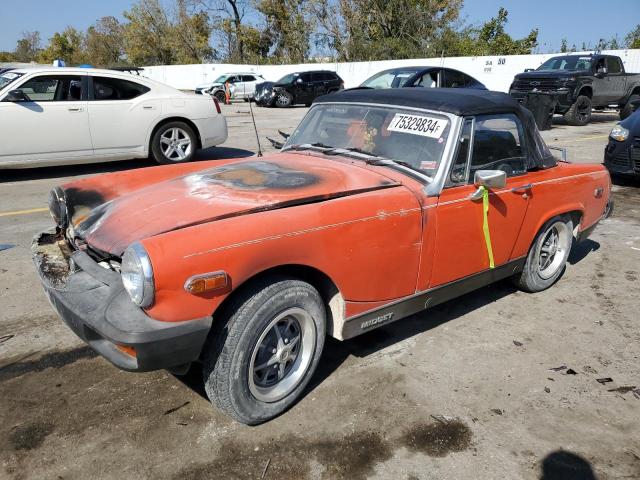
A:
<point x="105" y="43"/>
<point x="632" y="40"/>
<point x="68" y="46"/>
<point x="563" y="46"/>
<point x="28" y="47"/>
<point x="288" y="28"/>
<point x="491" y="39"/>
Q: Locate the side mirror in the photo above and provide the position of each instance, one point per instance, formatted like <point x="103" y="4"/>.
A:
<point x="490" y="178"/>
<point x="16" y="96"/>
<point x="299" y="80"/>
<point x="526" y="70"/>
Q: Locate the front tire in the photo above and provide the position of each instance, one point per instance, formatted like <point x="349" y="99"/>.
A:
<point x="548" y="255"/>
<point x="220" y="96"/>
<point x="283" y="100"/>
<point x="174" y="142"/>
<point x="579" y="113"/>
<point x="262" y="355"/>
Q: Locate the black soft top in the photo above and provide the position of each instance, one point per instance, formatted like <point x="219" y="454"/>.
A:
<point x="458" y="101"/>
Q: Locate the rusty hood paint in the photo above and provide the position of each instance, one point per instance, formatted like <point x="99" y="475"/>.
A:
<point x="212" y="193"/>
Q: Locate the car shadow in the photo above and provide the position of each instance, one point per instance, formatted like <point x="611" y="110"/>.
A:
<point x="337" y="352"/>
<point x="564" y="465"/>
<point x="595" y="118"/>
<point x="61" y="171"/>
<point x="580" y="250"/>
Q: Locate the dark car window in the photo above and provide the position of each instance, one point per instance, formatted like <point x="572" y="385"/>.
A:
<point x="427" y="80"/>
<point x="498" y="145"/>
<point x="389" y="78"/>
<point x="105" y="88"/>
<point x="53" y="88"/>
<point x="323" y="76"/>
<point x="248" y="78"/>
<point x="453" y="79"/>
<point x="306" y="77"/>
<point x="613" y="65"/>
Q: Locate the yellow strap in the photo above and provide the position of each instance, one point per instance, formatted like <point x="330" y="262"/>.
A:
<point x="485" y="224"/>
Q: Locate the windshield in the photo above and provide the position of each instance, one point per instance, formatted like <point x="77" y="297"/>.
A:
<point x="389" y="79"/>
<point x="7" y="77"/>
<point x="569" y="63"/>
<point x="221" y="79"/>
<point x="288" y="78"/>
<point x="415" y="139"/>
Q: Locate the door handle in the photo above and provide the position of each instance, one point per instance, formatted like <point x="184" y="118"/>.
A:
<point x="148" y="107"/>
<point x="522" y="188"/>
<point x="75" y="109"/>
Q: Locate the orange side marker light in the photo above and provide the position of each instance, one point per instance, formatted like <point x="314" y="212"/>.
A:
<point x="207" y="283"/>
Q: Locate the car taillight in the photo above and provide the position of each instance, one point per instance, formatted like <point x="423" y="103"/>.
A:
<point x="215" y="100"/>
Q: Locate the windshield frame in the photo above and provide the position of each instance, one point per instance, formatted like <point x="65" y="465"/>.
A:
<point x="433" y="185"/>
<point x="19" y="75"/>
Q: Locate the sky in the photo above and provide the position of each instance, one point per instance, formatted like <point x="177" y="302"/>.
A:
<point x="576" y="20"/>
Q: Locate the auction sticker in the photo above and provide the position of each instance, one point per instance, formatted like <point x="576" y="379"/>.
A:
<point x="417" y="125"/>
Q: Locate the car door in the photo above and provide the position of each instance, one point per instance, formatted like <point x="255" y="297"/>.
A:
<point x="248" y="86"/>
<point x="51" y="124"/>
<point x="121" y="113"/>
<point x="615" y="79"/>
<point x="601" y="85"/>
<point x="303" y="88"/>
<point x="487" y="142"/>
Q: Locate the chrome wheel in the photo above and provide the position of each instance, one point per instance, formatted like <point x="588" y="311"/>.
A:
<point x="175" y="144"/>
<point x="553" y="249"/>
<point x="282" y="355"/>
<point x="283" y="100"/>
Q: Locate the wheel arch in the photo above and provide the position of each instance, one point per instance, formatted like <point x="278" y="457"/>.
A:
<point x="575" y="212"/>
<point x="586" y="90"/>
<point x="166" y="120"/>
<point x="326" y="287"/>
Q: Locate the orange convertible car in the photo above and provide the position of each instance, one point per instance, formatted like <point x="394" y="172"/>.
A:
<point x="382" y="203"/>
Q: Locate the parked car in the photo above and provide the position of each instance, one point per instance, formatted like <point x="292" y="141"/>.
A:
<point x="373" y="211"/>
<point x="56" y="116"/>
<point x="581" y="83"/>
<point x="428" y="77"/>
<point x="299" y="87"/>
<point x="622" y="153"/>
<point x="242" y="85"/>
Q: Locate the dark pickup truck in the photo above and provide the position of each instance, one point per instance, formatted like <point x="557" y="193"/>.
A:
<point x="581" y="83"/>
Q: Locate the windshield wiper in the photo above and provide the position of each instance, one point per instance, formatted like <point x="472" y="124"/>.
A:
<point x="306" y="146"/>
<point x="375" y="159"/>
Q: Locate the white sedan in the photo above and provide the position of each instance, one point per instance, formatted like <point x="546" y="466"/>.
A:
<point x="55" y="116"/>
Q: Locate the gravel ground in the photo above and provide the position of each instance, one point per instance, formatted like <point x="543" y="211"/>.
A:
<point x="470" y="389"/>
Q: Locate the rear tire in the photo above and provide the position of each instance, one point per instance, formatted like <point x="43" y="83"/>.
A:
<point x="174" y="142"/>
<point x="579" y="113"/>
<point x="628" y="107"/>
<point x="262" y="354"/>
<point x="547" y="256"/>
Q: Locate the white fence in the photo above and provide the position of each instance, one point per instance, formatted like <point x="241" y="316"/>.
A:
<point x="496" y="72"/>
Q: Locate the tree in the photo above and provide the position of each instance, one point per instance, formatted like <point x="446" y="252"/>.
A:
<point x="191" y="33"/>
<point x="105" y="42"/>
<point x="147" y="34"/>
<point x="563" y="45"/>
<point x="7" y="57"/>
<point x="288" y="28"/>
<point x="632" y="40"/>
<point x="491" y="39"/>
<point x="68" y="46"/>
<point x="28" y="47"/>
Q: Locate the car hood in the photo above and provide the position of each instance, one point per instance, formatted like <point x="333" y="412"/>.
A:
<point x="208" y="85"/>
<point x="209" y="194"/>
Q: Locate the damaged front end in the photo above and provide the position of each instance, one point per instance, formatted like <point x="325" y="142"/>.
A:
<point x="92" y="301"/>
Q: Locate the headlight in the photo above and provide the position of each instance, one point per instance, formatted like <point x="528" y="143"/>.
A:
<point x="58" y="207"/>
<point x="619" y="133"/>
<point x="137" y="275"/>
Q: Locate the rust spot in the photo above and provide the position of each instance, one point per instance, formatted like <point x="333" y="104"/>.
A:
<point x="254" y="176"/>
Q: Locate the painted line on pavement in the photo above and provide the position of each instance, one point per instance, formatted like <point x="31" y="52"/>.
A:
<point x="23" y="212"/>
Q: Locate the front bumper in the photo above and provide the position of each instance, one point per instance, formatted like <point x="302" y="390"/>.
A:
<point x="564" y="98"/>
<point x="92" y="301"/>
<point x="623" y="158"/>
